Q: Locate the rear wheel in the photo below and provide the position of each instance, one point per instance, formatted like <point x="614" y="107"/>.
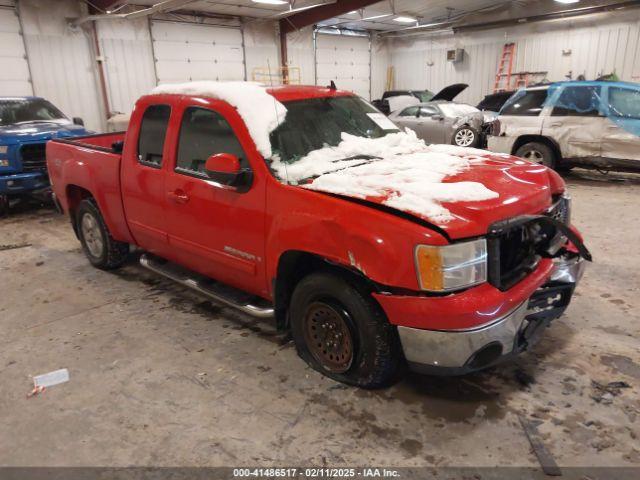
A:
<point x="538" y="153"/>
<point x="99" y="246"/>
<point x="341" y="332"/>
<point x="466" y="136"/>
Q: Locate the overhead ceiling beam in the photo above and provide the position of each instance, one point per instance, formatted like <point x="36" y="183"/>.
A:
<point x="318" y="14"/>
<point x="161" y="7"/>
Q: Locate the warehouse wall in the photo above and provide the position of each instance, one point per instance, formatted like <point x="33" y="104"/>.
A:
<point x="300" y="54"/>
<point x="125" y="47"/>
<point x="61" y="59"/>
<point x="597" y="44"/>
<point x="64" y="64"/>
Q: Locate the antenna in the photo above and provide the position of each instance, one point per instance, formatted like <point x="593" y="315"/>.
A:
<point x="332" y="85"/>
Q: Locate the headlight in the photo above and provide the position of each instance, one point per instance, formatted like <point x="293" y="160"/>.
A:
<point x="3" y="149"/>
<point x="451" y="267"/>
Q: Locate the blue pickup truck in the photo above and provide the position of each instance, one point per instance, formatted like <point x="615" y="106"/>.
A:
<point x="26" y="124"/>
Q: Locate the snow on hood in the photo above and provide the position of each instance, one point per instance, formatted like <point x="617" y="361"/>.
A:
<point x="261" y="112"/>
<point x="408" y="175"/>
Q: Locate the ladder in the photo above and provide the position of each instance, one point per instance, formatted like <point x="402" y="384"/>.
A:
<point x="505" y="68"/>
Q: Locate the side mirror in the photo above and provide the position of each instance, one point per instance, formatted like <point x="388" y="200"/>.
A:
<point x="224" y="168"/>
<point x="78" y="121"/>
<point x="437" y="118"/>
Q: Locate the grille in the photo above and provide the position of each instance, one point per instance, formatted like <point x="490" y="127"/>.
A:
<point x="33" y="157"/>
<point x="515" y="246"/>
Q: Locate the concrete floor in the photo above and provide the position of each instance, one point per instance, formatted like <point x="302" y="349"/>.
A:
<point x="160" y="376"/>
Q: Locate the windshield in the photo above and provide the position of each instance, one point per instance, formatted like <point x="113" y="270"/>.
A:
<point x="457" y="109"/>
<point x="424" y="96"/>
<point x="22" y="110"/>
<point x="315" y="123"/>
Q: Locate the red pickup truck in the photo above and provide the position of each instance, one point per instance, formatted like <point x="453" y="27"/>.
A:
<point x="307" y="205"/>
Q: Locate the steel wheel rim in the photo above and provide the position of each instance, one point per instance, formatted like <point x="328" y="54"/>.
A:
<point x="464" y="137"/>
<point x="92" y="235"/>
<point x="328" y="336"/>
<point x="534" y="156"/>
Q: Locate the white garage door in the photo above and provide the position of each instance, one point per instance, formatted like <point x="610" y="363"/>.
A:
<point x="14" y="74"/>
<point x="345" y="60"/>
<point x="185" y="52"/>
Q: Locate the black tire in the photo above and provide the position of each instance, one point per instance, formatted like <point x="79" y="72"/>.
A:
<point x="465" y="132"/>
<point x="539" y="153"/>
<point x="4" y="205"/>
<point x="376" y="355"/>
<point x="111" y="253"/>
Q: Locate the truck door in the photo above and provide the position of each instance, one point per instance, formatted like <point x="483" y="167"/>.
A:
<point x="576" y="120"/>
<point x="621" y="134"/>
<point x="142" y="177"/>
<point x="214" y="229"/>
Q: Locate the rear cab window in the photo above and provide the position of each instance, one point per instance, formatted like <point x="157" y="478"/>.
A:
<point x="153" y="130"/>
<point x="528" y="103"/>
<point x="203" y="133"/>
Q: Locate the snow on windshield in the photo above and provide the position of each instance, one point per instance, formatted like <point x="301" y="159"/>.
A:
<point x="399" y="167"/>
<point x="261" y="112"/>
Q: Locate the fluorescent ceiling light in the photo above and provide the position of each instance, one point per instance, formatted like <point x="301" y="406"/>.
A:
<point x="567" y="1"/>
<point x="404" y="19"/>
<point x="271" y="2"/>
<point x="352" y="12"/>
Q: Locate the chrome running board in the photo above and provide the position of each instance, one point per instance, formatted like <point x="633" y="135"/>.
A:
<point x="219" y="292"/>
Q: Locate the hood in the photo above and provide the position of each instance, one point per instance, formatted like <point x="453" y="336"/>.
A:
<point x="450" y="92"/>
<point x="460" y="190"/>
<point x="39" y="131"/>
<point x="522" y="188"/>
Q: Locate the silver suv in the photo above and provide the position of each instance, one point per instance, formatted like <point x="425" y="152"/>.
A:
<point x="561" y="125"/>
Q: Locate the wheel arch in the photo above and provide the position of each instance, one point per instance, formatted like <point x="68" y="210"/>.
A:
<point x="294" y="265"/>
<point x="524" y="139"/>
<point x="74" y="195"/>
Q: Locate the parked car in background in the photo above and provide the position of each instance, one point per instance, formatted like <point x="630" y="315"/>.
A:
<point x="26" y="124"/>
<point x="446" y="121"/>
<point x="265" y="201"/>
<point x="594" y="124"/>
<point x="382" y="104"/>
<point x="494" y="101"/>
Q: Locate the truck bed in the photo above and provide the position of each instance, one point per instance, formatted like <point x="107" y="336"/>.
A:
<point x="104" y="142"/>
<point x="90" y="166"/>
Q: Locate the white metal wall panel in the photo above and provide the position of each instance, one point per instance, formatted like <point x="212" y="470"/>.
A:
<point x="125" y="46"/>
<point x="345" y="60"/>
<point x="590" y="47"/>
<point x="185" y="52"/>
<point x="61" y="58"/>
<point x="14" y="69"/>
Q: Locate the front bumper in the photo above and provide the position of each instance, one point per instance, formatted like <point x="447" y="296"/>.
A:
<point x="461" y="351"/>
<point x="21" y="183"/>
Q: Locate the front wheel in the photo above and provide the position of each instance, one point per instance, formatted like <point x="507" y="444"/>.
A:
<point x="466" y="136"/>
<point x="342" y="333"/>
<point x="538" y="153"/>
<point x="99" y="246"/>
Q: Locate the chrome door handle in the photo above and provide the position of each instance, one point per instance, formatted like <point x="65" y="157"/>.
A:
<point x="555" y="124"/>
<point x="178" y="196"/>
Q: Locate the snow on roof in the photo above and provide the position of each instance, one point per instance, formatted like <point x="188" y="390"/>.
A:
<point x="261" y="112"/>
<point x="408" y="174"/>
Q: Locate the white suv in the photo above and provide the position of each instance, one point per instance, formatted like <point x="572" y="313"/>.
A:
<point x="561" y="125"/>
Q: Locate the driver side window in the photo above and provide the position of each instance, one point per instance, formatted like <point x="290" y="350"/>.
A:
<point x="409" y="112"/>
<point x="428" y="111"/>
<point x="203" y="133"/>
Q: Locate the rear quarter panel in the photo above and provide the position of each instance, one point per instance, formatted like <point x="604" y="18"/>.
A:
<point x="95" y="171"/>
